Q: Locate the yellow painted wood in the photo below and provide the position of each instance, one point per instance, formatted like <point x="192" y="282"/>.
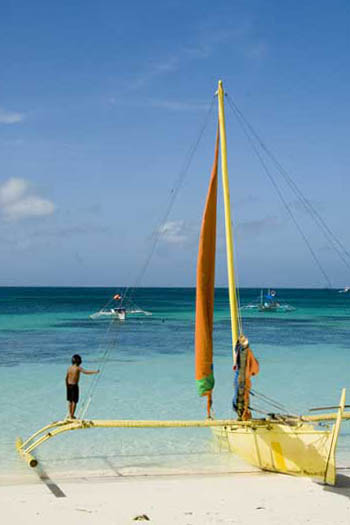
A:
<point x="228" y="222"/>
<point x="46" y="427"/>
<point x="278" y="456"/>
<point x="58" y="427"/>
<point x="298" y="450"/>
<point x="28" y="458"/>
<point x="325" y="417"/>
<point x="330" y="473"/>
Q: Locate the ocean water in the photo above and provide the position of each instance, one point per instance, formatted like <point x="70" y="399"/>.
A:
<point x="148" y="373"/>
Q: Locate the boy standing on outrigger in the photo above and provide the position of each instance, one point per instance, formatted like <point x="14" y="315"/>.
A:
<point x="72" y="380"/>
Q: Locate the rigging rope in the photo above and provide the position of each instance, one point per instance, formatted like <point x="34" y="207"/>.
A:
<point x="281" y="417"/>
<point x="279" y="192"/>
<point x="327" y="232"/>
<point x="271" y="402"/>
<point x="102" y="363"/>
<point x="157" y="232"/>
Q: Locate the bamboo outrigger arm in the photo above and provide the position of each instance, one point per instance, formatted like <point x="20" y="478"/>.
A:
<point x="26" y="448"/>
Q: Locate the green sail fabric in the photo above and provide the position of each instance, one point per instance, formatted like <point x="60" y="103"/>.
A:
<point x="206" y="384"/>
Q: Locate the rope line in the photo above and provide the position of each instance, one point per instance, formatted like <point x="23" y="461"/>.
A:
<point x="101" y="365"/>
<point x="281" y="417"/>
<point x="280" y="194"/>
<point x="157" y="232"/>
<point x="327" y="232"/>
<point x="271" y="402"/>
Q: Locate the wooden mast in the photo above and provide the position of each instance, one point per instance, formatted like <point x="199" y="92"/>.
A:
<point x="228" y="223"/>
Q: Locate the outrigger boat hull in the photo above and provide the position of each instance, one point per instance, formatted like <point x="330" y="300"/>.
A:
<point x="294" y="447"/>
<point x="300" y="450"/>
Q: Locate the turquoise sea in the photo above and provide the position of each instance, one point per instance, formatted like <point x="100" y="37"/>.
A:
<point x="148" y="373"/>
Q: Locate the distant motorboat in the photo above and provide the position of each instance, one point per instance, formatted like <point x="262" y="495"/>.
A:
<point x="116" y="313"/>
<point x="268" y="303"/>
<point x="345" y="290"/>
<point x="119" y="313"/>
<point x="124" y="306"/>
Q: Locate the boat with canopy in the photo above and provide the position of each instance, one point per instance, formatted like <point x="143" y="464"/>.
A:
<point x="278" y="442"/>
<point x="269" y="302"/>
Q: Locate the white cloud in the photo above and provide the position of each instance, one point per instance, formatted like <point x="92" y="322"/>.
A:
<point x="177" y="232"/>
<point x="12" y="190"/>
<point x="10" y="117"/>
<point x="18" y="201"/>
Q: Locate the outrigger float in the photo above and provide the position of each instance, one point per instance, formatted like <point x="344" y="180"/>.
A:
<point x="279" y="442"/>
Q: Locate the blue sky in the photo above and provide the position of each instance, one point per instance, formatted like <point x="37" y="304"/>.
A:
<point x="100" y="103"/>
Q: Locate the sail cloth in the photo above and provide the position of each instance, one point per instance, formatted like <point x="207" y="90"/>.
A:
<point x="205" y="289"/>
<point x="246" y="367"/>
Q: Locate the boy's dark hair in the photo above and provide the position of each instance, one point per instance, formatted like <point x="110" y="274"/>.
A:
<point x="76" y="359"/>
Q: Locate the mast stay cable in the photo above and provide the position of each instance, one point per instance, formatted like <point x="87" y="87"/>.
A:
<point x="338" y="246"/>
<point x="157" y="232"/>
<point x="108" y="345"/>
<point x="245" y="130"/>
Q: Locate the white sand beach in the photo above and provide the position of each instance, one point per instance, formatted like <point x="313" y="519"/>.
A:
<point x="251" y="498"/>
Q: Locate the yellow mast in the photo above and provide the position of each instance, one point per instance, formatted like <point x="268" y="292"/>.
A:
<point x="228" y="224"/>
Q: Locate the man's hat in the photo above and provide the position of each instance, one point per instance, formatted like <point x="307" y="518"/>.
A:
<point x="243" y="341"/>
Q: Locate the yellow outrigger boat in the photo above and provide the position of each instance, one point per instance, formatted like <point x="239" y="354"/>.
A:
<point x="278" y="443"/>
<point x="292" y="447"/>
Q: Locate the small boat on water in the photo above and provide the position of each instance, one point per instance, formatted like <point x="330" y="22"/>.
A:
<point x="268" y="302"/>
<point x="345" y="290"/>
<point x="120" y="312"/>
<point x="115" y="313"/>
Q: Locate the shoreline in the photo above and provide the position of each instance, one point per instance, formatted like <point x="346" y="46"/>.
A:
<point x="33" y="476"/>
<point x="38" y="478"/>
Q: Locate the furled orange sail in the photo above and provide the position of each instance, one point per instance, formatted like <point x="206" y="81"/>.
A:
<point x="205" y="289"/>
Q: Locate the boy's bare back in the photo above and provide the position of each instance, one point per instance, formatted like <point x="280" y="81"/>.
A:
<point x="73" y="375"/>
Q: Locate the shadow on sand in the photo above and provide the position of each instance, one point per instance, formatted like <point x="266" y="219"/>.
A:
<point x="342" y="487"/>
